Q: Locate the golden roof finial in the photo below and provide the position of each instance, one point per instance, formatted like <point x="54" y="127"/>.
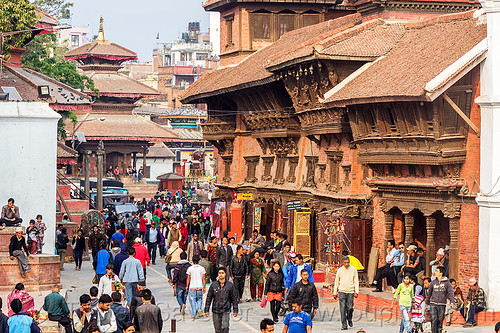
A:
<point x="100" y="36"/>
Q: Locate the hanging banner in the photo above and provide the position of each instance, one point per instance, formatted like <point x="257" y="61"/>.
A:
<point x="258" y="218"/>
<point x="302" y="233"/>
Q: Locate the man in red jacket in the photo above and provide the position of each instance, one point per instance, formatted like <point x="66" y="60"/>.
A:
<point x="141" y="254"/>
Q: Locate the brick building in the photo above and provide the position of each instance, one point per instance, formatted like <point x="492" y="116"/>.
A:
<point x="370" y="122"/>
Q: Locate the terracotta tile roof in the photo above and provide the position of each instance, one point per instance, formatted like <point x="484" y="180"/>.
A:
<point x="371" y="39"/>
<point x="158" y="150"/>
<point x="27" y="81"/>
<point x="124" y="127"/>
<point x="119" y="84"/>
<point x="426" y="49"/>
<point x="64" y="151"/>
<point x="251" y="70"/>
<point x="170" y="176"/>
<point x="104" y="50"/>
<point x="307" y="47"/>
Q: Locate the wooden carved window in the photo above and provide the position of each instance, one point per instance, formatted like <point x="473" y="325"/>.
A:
<point x="311" y="162"/>
<point x="268" y="164"/>
<point x="347" y="174"/>
<point x="261" y="26"/>
<point x="227" y="160"/>
<point x="280" y="169"/>
<point x="252" y="162"/>
<point x="322" y="169"/>
<point x="286" y="23"/>
<point x="293" y="161"/>
<point x="310" y="19"/>
<point x="334" y="159"/>
<point x="229" y="29"/>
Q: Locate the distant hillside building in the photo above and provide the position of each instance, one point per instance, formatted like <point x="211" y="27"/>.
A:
<point x="180" y="63"/>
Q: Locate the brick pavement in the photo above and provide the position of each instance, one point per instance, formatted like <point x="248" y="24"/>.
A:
<point x="327" y="320"/>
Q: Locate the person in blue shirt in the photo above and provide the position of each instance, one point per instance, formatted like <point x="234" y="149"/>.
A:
<point x="103" y="259"/>
<point x="21" y="322"/>
<point x="294" y="272"/>
<point x="297" y="321"/>
<point x="118" y="236"/>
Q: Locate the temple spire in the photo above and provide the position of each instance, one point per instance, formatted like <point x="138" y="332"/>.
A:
<point x="100" y="36"/>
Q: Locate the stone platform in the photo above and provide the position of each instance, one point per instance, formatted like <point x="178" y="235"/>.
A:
<point x="44" y="272"/>
<point x="44" y="268"/>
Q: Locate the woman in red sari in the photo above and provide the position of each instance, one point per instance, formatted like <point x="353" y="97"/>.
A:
<point x="26" y="299"/>
<point x="183" y="244"/>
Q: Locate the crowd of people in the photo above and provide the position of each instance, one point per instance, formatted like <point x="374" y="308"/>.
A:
<point x="200" y="259"/>
<point x="418" y="294"/>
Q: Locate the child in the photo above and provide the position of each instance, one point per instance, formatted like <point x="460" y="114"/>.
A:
<point x="32" y="233"/>
<point x="94" y="300"/>
<point x="65" y="218"/>
<point x="417" y="315"/>
<point x="41" y="227"/>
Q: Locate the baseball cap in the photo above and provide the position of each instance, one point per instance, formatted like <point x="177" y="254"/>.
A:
<point x="441" y="252"/>
<point x="412" y="248"/>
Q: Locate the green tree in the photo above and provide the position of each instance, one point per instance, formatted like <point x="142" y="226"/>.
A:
<point x="16" y="15"/>
<point x="56" y="8"/>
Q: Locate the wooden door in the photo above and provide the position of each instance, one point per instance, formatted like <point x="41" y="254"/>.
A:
<point x="361" y="239"/>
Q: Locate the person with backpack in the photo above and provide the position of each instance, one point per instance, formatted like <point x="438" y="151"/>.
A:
<point x="62" y="246"/>
<point x="180" y="281"/>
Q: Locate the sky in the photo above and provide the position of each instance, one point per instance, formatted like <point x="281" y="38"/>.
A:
<point x="134" y="24"/>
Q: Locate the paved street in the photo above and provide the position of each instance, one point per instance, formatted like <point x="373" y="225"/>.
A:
<point x="78" y="283"/>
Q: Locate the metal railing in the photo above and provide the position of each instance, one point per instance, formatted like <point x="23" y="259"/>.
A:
<point x="63" y="180"/>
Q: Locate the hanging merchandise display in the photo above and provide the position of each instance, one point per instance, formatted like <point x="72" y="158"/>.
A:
<point x="333" y="240"/>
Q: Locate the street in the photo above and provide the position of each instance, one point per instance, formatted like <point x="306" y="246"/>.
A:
<point x="79" y="282"/>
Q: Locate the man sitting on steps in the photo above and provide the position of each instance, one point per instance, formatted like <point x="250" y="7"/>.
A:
<point x="16" y="247"/>
<point x="10" y="215"/>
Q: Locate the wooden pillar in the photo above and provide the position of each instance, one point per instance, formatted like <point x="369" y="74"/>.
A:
<point x="100" y="171"/>
<point x="409" y="225"/>
<point x="454" y="228"/>
<point x="430" y="243"/>
<point x="389" y="224"/>
<point x="134" y="160"/>
<point x="144" y="153"/>
<point x="86" y="159"/>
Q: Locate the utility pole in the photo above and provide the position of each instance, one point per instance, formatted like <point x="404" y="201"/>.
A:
<point x="100" y="171"/>
<point x="86" y="160"/>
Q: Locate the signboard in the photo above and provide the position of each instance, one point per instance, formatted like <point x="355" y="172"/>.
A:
<point x="244" y="196"/>
<point x="258" y="218"/>
<point x="293" y="205"/>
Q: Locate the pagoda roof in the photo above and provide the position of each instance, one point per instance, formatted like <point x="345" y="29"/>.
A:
<point x="101" y="48"/>
<point x="123" y="127"/>
<point x="119" y="85"/>
<point x="109" y="51"/>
